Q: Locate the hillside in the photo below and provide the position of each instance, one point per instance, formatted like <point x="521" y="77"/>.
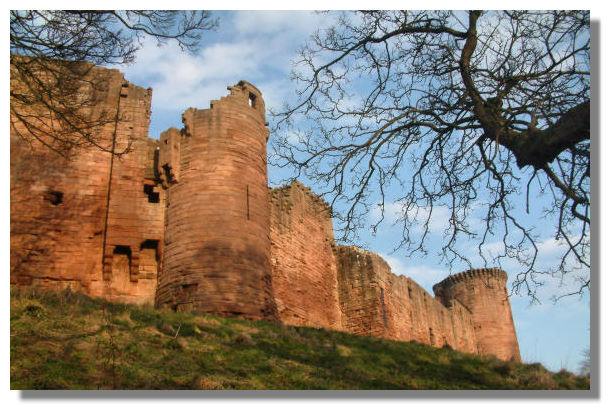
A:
<point x="69" y="341"/>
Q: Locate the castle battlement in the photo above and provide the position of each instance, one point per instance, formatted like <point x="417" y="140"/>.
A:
<point x="189" y="222"/>
<point x="470" y="274"/>
<point x="282" y="193"/>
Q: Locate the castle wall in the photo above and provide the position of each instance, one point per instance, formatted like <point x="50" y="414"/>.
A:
<point x="135" y="223"/>
<point x="304" y="278"/>
<point x="188" y="222"/>
<point x="65" y="212"/>
<point x="376" y="302"/>
<point x="217" y="245"/>
<point x="484" y="293"/>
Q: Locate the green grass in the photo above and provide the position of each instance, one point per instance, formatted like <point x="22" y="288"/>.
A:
<point x="69" y="341"/>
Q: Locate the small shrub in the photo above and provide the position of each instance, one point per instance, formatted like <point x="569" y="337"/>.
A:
<point x="189" y="330"/>
<point x="34" y="310"/>
<point x="343" y="351"/>
<point x="567" y="380"/>
<point x="535" y="376"/>
<point x="244" y="339"/>
<point x="504" y="368"/>
<point x="535" y="366"/>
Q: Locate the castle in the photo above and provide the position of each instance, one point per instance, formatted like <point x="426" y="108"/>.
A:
<point x="189" y="222"/>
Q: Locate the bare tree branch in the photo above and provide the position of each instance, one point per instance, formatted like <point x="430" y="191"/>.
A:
<point x="462" y="111"/>
<point x="53" y="98"/>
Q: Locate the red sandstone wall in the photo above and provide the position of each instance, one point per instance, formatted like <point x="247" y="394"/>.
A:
<point x="484" y="293"/>
<point x="304" y="279"/>
<point x="217" y="246"/>
<point x="135" y="224"/>
<point x="363" y="310"/>
<point x="376" y="302"/>
<point x="61" y="245"/>
<point x="208" y="196"/>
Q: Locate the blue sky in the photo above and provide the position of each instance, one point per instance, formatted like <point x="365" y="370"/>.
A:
<point x="259" y="47"/>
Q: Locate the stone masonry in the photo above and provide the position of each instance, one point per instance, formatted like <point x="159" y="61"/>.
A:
<point x="379" y="303"/>
<point x="483" y="292"/>
<point x="188" y="222"/>
<point x="90" y="223"/>
<point x="216" y="244"/>
<point x="305" y="286"/>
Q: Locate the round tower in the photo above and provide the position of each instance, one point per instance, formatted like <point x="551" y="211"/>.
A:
<point x="217" y="245"/>
<point x="483" y="292"/>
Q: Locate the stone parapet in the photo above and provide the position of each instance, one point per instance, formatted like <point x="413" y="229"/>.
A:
<point x="470" y="274"/>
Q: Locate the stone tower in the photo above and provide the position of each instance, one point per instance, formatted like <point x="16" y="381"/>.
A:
<point x="217" y="241"/>
<point x="483" y="292"/>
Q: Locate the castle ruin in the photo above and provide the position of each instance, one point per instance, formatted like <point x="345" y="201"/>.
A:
<point x="188" y="222"/>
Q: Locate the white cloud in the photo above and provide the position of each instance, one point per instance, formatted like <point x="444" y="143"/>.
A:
<point x="394" y="211"/>
<point x="424" y="275"/>
<point x="552" y="247"/>
<point x="351" y="102"/>
<point x="492" y="249"/>
<point x="180" y="80"/>
<point x="275" y="91"/>
<point x="255" y="46"/>
<point x="391" y="211"/>
<point x="551" y="251"/>
<point x="295" y="137"/>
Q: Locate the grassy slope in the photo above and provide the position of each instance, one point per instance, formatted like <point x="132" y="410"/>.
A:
<point x="68" y="341"/>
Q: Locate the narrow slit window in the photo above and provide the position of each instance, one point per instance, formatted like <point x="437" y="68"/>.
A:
<point x="248" y="201"/>
<point x="252" y="100"/>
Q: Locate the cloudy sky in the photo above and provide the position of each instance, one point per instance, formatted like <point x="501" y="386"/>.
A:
<point x="259" y="47"/>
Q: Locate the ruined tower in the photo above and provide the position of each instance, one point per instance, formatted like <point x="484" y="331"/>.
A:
<point x="483" y="292"/>
<point x="217" y="244"/>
